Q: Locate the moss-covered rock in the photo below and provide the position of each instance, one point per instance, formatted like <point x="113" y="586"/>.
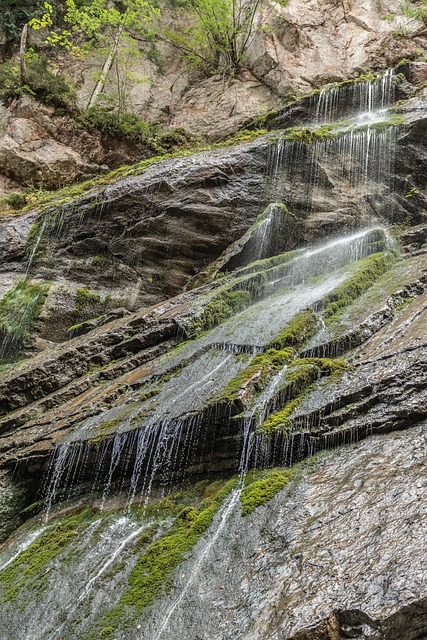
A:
<point x="261" y="491"/>
<point x="19" y="310"/>
<point x="366" y="273"/>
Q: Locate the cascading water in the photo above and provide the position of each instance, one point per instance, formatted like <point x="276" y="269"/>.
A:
<point x="357" y="99"/>
<point x="361" y="147"/>
<point x="156" y="437"/>
<point x="160" y="434"/>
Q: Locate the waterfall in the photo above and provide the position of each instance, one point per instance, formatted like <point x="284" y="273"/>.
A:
<point x="157" y="436"/>
<point x="201" y="407"/>
<point x="360" y="148"/>
<point x="363" y="96"/>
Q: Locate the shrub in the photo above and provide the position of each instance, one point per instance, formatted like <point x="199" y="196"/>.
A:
<point x="131" y="127"/>
<point x="42" y="82"/>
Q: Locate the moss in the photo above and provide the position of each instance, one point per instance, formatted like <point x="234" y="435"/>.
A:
<point x="261" y="369"/>
<point x="299" y="330"/>
<point x="367" y="271"/>
<point x="28" y="568"/>
<point x="85" y="298"/>
<point x="280" y="421"/>
<point x="263" y="490"/>
<point x="394" y="120"/>
<point x="19" y="310"/>
<point x="310" y="136"/>
<point x="153" y="571"/>
<point x="268" y="263"/>
<point x="303" y="372"/>
<point x="146" y="395"/>
<point x="88" y="306"/>
<point x="42" y="198"/>
<point x="223" y="306"/>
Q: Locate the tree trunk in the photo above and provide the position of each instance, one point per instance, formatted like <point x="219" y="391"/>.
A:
<point x="105" y="69"/>
<point x="22" y="50"/>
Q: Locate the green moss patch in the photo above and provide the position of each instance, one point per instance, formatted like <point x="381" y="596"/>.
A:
<point x="299" y="330"/>
<point x="302" y="374"/>
<point x="19" y="310"/>
<point x="259" y="372"/>
<point x="28" y="569"/>
<point x="153" y="571"/>
<point x="264" y="489"/>
<point x="366" y="273"/>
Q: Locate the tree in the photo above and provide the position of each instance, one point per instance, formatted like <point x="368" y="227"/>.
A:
<point x="218" y="33"/>
<point x="106" y="27"/>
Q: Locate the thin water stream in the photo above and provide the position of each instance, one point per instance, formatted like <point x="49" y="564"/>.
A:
<point x="153" y="437"/>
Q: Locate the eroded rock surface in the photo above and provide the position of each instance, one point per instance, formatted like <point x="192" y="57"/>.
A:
<point x="336" y="556"/>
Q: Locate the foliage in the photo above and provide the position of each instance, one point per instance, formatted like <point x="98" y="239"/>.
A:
<point x="223" y="306"/>
<point x="14" y="14"/>
<point x="93" y="23"/>
<point x="214" y="35"/>
<point x="260" y="370"/>
<point x="108" y="28"/>
<point x="19" y="310"/>
<point x="415" y="12"/>
<point x="131" y="127"/>
<point x="42" y="82"/>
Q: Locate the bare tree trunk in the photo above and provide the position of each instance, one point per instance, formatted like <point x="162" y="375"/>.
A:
<point x="22" y="50"/>
<point x="105" y="69"/>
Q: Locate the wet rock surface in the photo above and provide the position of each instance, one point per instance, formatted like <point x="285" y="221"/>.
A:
<point x="142" y="239"/>
<point x="128" y="405"/>
<point x="335" y="556"/>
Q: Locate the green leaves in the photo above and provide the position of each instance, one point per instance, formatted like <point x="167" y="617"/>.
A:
<point x="95" y="22"/>
<point x="217" y="33"/>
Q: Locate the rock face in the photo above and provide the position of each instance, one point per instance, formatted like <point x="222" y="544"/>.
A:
<point x="325" y="560"/>
<point x="163" y="400"/>
<point x="143" y="239"/>
<point x="297" y="49"/>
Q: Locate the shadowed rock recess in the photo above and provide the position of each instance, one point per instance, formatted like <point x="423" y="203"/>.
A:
<point x="213" y="388"/>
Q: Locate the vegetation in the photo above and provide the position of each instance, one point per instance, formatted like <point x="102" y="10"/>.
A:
<point x="131" y="127"/>
<point x="261" y="491"/>
<point x="41" y="81"/>
<point x="19" y="309"/>
<point x="215" y="35"/>
<point x="299" y="330"/>
<point x="153" y="570"/>
<point x="108" y="28"/>
<point x="223" y="306"/>
<point x="14" y="14"/>
<point x="415" y="12"/>
<point x="367" y="272"/>
<point x="303" y="372"/>
<point x="27" y="569"/>
<point x="260" y="370"/>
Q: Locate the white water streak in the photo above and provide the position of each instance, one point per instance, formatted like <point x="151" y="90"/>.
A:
<point x="225" y="511"/>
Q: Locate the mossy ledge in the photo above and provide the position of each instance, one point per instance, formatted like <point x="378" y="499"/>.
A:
<point x="302" y="374"/>
<point x="263" y="490"/>
<point x="153" y="571"/>
<point x="257" y="374"/>
<point x="367" y="271"/>
<point x="21" y="201"/>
